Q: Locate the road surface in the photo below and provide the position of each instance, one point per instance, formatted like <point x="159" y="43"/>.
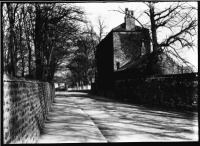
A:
<point x="79" y="118"/>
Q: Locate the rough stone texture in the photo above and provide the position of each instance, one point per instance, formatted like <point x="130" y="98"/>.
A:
<point x="25" y="106"/>
<point x="169" y="66"/>
<point x="173" y="91"/>
<point x="127" y="46"/>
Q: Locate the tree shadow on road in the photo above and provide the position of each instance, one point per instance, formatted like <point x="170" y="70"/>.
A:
<point x="68" y="123"/>
<point x="117" y="121"/>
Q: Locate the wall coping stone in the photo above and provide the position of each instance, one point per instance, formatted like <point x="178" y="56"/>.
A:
<point x="9" y="78"/>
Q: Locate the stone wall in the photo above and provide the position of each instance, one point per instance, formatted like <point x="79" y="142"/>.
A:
<point x="127" y="46"/>
<point x="25" y="107"/>
<point x="167" y="65"/>
<point x="176" y="91"/>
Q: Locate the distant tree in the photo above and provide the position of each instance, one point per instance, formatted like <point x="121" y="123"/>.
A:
<point x="82" y="63"/>
<point x="95" y="38"/>
<point x="82" y="66"/>
<point x="101" y="28"/>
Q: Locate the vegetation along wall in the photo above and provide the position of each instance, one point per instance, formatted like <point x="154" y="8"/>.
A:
<point x="25" y="104"/>
<point x="177" y="91"/>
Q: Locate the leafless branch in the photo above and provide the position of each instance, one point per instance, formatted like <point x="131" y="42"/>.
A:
<point x="176" y="54"/>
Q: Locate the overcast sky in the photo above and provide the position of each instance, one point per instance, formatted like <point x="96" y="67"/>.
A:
<point x="113" y="18"/>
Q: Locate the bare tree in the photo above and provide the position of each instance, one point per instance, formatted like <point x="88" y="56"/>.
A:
<point x="179" y="18"/>
<point x="37" y="37"/>
<point x="101" y="28"/>
<point x="96" y="37"/>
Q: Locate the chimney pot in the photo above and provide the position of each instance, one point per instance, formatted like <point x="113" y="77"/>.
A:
<point x="131" y="13"/>
<point x="126" y="11"/>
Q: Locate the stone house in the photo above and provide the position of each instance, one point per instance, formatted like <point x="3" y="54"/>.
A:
<point x="123" y="43"/>
<point x="125" y="52"/>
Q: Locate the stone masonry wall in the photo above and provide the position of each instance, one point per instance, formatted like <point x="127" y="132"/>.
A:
<point x="127" y="45"/>
<point x="25" y="106"/>
<point x="177" y="91"/>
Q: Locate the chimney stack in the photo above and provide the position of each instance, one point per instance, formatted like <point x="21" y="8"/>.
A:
<point x="129" y="20"/>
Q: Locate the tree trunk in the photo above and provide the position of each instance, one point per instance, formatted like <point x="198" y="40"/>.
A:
<point x="29" y="60"/>
<point x="48" y="64"/>
<point x="23" y="67"/>
<point x="153" y="27"/>
<point x="28" y="45"/>
<point x="11" y="39"/>
<point x="37" y="41"/>
<point x="21" y="50"/>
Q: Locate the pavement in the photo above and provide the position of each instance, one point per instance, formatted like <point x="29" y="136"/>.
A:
<point x="81" y="118"/>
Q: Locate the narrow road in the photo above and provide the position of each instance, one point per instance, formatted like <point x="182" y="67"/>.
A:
<point x="78" y="118"/>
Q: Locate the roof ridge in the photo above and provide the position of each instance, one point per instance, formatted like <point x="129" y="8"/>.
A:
<point x="117" y="27"/>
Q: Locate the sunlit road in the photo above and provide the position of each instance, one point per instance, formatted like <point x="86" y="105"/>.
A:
<point x="79" y="118"/>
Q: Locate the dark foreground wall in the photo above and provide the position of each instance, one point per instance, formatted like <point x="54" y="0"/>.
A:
<point x="25" y="106"/>
<point x="179" y="91"/>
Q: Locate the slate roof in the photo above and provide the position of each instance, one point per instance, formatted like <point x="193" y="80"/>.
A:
<point x="142" y="60"/>
<point x="134" y="63"/>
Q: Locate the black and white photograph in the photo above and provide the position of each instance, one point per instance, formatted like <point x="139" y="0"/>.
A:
<point x="99" y="72"/>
